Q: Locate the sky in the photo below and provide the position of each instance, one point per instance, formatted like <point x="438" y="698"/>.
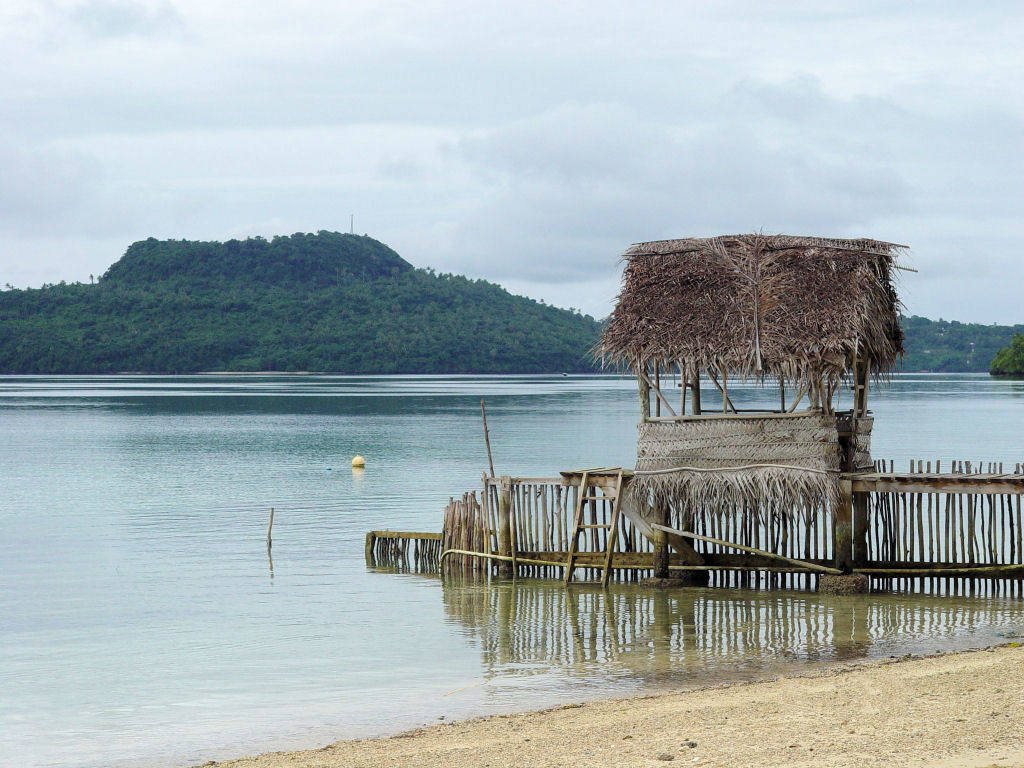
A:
<point x="525" y="142"/>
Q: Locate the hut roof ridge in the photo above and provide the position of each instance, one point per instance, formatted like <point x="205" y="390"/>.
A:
<point x="687" y="244"/>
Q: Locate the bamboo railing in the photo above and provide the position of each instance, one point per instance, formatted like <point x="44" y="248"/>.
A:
<point x="541" y="516"/>
<point x="917" y="532"/>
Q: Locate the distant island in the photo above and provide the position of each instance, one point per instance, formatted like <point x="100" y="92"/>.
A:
<point x="308" y="302"/>
<point x="951" y="346"/>
<point x="339" y="303"/>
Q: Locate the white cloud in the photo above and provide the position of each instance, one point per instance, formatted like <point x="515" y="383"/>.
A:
<point x="40" y="184"/>
<point x="572" y="181"/>
<point x="527" y="143"/>
<point x="121" y="18"/>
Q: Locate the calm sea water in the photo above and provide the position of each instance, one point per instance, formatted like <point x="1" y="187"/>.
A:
<point x="141" y="623"/>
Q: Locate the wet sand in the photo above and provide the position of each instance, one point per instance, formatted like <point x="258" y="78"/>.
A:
<point x="962" y="709"/>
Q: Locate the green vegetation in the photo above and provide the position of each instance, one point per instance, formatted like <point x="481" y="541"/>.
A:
<point x="334" y="302"/>
<point x="944" y="345"/>
<point x="323" y="302"/>
<point x="1009" y="361"/>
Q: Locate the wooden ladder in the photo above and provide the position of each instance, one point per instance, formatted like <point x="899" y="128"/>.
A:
<point x="612" y="526"/>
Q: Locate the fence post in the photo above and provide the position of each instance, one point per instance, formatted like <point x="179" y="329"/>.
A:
<point x="506" y="569"/>
<point x="371" y="539"/>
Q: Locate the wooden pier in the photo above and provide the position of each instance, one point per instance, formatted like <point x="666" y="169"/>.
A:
<point x="959" y="531"/>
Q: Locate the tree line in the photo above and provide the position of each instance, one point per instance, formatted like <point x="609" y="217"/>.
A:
<point x="342" y="303"/>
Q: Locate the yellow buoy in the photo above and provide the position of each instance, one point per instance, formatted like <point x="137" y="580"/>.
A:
<point x="358" y="461"/>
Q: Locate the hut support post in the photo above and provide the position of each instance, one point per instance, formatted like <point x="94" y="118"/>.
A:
<point x="506" y="570"/>
<point x="726" y="401"/>
<point x="683" y="385"/>
<point x="861" y="376"/>
<point x="659" y="515"/>
<point x="657" y="388"/>
<point x="843" y="540"/>
<point x="660" y="399"/>
<point x="645" y="390"/>
<point x="814" y="395"/>
<point x="843" y="522"/>
<point x="861" y="379"/>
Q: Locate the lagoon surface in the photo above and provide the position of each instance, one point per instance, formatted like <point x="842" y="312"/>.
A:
<point x="141" y="623"/>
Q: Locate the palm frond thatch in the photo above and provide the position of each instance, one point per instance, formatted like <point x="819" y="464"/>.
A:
<point x="758" y="305"/>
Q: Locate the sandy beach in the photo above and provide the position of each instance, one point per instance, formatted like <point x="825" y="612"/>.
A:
<point x="962" y="709"/>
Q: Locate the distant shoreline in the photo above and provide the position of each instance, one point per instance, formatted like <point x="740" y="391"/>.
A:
<point x="470" y="373"/>
<point x="956" y="709"/>
<point x="331" y="373"/>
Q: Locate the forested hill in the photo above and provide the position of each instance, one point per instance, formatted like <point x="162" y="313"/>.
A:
<point x="946" y="345"/>
<point x="308" y="302"/>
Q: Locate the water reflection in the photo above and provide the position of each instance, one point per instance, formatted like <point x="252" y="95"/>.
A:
<point x="672" y="637"/>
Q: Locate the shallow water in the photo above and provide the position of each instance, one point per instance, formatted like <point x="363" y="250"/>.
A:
<point x="140" y="622"/>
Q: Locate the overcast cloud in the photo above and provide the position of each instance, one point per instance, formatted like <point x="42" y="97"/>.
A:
<point x="525" y="142"/>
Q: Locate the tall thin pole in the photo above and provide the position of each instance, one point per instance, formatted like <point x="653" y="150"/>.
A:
<point x="657" y="386"/>
<point x="351" y="223"/>
<point x="270" y="527"/>
<point x="487" y="437"/>
<point x="684" y="383"/>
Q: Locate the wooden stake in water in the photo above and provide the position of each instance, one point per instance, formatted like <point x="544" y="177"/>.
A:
<point x="487" y="437"/>
<point x="270" y="560"/>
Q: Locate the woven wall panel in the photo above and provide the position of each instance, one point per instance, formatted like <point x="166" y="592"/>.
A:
<point x="729" y="445"/>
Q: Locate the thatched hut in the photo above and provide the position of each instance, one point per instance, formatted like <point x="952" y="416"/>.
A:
<point x="799" y="314"/>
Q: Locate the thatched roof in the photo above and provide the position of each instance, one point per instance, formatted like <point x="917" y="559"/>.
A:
<point x="758" y="305"/>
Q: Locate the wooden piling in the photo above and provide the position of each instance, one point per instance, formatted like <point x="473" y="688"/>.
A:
<point x="843" y="523"/>
<point x="506" y="568"/>
<point x="660" y="515"/>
